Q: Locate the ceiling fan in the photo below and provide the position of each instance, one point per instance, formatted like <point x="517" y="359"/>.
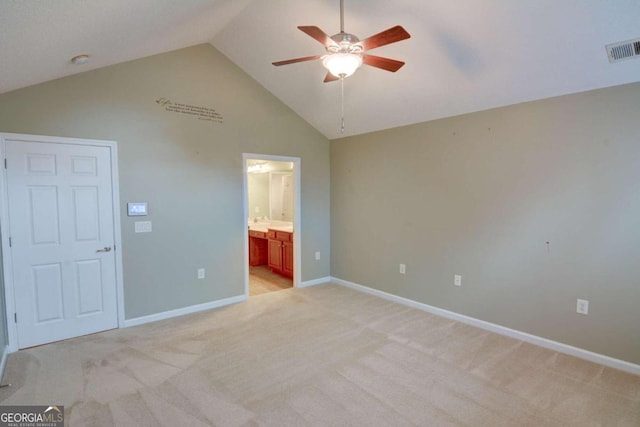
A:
<point x="346" y="53"/>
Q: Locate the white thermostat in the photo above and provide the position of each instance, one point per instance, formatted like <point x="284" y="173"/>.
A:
<point x="137" y="208"/>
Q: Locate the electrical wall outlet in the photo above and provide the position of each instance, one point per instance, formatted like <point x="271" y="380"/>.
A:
<point x="318" y="256"/>
<point x="457" y="280"/>
<point x="582" y="307"/>
<point x="201" y="273"/>
<point x="403" y="269"/>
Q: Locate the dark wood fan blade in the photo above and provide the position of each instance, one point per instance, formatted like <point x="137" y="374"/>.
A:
<point x="293" y="61"/>
<point x="330" y="78"/>
<point x="392" y="35"/>
<point x="380" y="62"/>
<point x="318" y="34"/>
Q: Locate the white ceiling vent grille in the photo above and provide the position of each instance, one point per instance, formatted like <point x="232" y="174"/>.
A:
<point x="623" y="50"/>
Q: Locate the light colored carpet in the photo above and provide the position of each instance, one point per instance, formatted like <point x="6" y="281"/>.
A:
<point x="320" y="356"/>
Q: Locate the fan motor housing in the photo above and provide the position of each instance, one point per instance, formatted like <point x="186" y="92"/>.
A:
<point x="346" y="43"/>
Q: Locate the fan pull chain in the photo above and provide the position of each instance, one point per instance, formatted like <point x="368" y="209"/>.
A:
<point x="342" y="104"/>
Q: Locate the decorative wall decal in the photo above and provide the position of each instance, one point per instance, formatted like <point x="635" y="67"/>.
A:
<point x="201" y="113"/>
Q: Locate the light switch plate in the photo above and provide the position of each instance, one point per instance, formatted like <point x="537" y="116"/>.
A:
<point x="457" y="280"/>
<point x="143" y="226"/>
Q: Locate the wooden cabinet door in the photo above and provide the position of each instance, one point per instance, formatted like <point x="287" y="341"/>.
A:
<point x="287" y="259"/>
<point x="257" y="251"/>
<point x="275" y="255"/>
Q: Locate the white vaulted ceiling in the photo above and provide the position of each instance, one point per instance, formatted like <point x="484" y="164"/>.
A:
<point x="463" y="55"/>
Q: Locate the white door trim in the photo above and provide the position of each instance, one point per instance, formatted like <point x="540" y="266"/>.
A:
<point x="7" y="265"/>
<point x="297" y="238"/>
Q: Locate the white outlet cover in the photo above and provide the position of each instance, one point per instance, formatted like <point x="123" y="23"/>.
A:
<point x="403" y="269"/>
<point x="582" y="306"/>
<point x="201" y="273"/>
<point x="457" y="280"/>
<point x="317" y="255"/>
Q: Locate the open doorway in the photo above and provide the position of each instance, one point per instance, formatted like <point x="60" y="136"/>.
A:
<point x="272" y="214"/>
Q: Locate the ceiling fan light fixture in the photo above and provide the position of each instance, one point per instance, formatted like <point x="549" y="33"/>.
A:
<point x="342" y="64"/>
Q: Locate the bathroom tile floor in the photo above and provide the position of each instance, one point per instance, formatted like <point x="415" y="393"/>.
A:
<point x="262" y="281"/>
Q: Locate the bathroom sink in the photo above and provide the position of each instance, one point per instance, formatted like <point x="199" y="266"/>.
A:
<point x="259" y="226"/>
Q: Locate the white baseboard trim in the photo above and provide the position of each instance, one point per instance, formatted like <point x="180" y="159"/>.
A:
<point x="611" y="362"/>
<point x="3" y="362"/>
<point x="314" y="282"/>
<point x="182" y="311"/>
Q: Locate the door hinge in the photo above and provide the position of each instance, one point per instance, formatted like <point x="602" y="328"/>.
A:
<point x="5" y="163"/>
<point x="15" y="317"/>
<point x="10" y="244"/>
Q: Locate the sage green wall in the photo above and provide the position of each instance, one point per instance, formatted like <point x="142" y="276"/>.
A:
<point x="188" y="170"/>
<point x="481" y="195"/>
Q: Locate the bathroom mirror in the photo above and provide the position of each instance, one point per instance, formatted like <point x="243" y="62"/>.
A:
<point x="270" y="190"/>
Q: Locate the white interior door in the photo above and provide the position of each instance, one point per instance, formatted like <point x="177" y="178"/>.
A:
<point x="62" y="240"/>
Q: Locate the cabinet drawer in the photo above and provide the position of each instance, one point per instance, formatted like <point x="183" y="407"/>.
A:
<point x="282" y="236"/>
<point x="258" y="234"/>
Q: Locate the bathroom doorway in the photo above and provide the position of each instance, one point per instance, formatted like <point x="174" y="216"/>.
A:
<point x="271" y="188"/>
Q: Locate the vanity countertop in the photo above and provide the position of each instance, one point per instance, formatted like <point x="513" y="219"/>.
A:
<point x="263" y="226"/>
<point x="288" y="228"/>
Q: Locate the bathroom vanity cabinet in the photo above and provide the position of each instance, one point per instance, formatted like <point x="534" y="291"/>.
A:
<point x="280" y="252"/>
<point x="258" y="248"/>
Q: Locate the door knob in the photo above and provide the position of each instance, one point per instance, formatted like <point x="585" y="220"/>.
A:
<point x="105" y="249"/>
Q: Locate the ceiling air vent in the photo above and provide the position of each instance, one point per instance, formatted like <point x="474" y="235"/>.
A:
<point x="623" y="50"/>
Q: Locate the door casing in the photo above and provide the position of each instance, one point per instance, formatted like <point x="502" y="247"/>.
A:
<point x="297" y="234"/>
<point x="7" y="265"/>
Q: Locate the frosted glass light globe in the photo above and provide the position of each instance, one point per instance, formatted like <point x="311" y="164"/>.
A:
<point x="342" y="64"/>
